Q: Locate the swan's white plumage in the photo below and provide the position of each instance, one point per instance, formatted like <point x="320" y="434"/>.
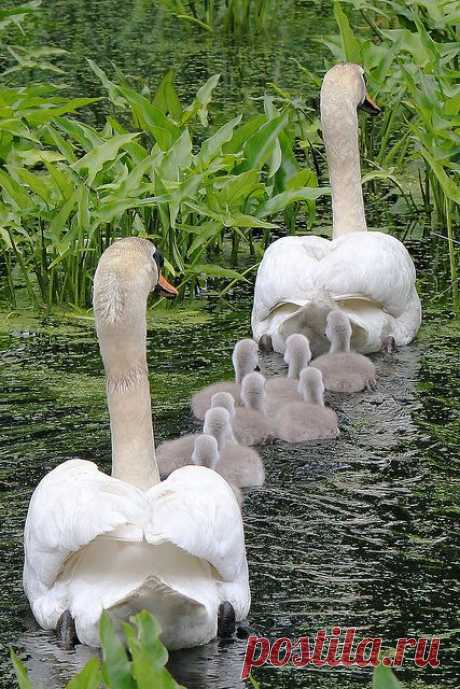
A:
<point x="93" y="542"/>
<point x="369" y="275"/>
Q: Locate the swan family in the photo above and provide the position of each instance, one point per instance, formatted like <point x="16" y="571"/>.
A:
<point x="165" y="532"/>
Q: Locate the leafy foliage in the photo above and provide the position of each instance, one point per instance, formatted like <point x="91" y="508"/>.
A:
<point x="157" y="168"/>
<point x="144" y="668"/>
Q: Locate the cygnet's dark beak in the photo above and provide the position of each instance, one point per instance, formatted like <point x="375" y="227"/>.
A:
<point x="370" y="106"/>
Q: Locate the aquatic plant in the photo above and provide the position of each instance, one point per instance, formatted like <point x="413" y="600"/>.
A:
<point x="410" y="52"/>
<point x="157" y="168"/>
<point x="144" y="668"/>
<point x="235" y="16"/>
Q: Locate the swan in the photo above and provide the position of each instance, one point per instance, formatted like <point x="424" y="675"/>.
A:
<point x="245" y="360"/>
<point x="307" y="420"/>
<point x="239" y="465"/>
<point x="342" y="370"/>
<point x="368" y="275"/>
<point x="127" y="542"/>
<point x="283" y="389"/>
<point x="250" y="424"/>
<point x="206" y="454"/>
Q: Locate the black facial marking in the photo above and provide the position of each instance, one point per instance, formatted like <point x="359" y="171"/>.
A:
<point x="159" y="260"/>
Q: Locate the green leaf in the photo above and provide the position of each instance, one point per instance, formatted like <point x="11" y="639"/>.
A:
<point x="286" y="198"/>
<point x="213" y="270"/>
<point x="116" y="668"/>
<point x="383" y="678"/>
<point x="14" y="190"/>
<point x="35" y="182"/>
<point x="21" y="672"/>
<point x="166" y="98"/>
<point x="58" y="224"/>
<point x="95" y="160"/>
<point x="88" y="678"/>
<point x="448" y="185"/>
<point x="238" y="187"/>
<point x="260" y="146"/>
<point x="151" y="119"/>
<point x="112" y="88"/>
<point x="350" y="44"/>
<point x="213" y="146"/>
<point x="200" y="104"/>
<point x="40" y="116"/>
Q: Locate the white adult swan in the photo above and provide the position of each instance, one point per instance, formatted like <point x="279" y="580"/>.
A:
<point x="369" y="275"/>
<point x="128" y="542"/>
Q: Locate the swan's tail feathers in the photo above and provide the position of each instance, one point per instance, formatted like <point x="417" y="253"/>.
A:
<point x="176" y="612"/>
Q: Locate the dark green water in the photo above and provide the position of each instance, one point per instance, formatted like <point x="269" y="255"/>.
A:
<point x="362" y="532"/>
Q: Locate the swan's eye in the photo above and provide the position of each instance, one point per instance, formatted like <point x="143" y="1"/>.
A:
<point x="159" y="260"/>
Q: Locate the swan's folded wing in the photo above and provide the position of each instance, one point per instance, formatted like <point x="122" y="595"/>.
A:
<point x="196" y="510"/>
<point x="72" y="505"/>
<point x="372" y="266"/>
<point x="287" y="273"/>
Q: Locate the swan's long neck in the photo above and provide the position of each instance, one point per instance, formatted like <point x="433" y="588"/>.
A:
<point x="339" y="120"/>
<point x="123" y="345"/>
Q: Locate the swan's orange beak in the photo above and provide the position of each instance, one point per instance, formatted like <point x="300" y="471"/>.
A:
<point x="370" y="106"/>
<point x="165" y="288"/>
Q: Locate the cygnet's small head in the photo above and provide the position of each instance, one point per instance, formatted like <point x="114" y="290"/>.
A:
<point x="311" y="385"/>
<point x="338" y="330"/>
<point x="218" y="423"/>
<point x="297" y="354"/>
<point x="343" y="83"/>
<point x="244" y="358"/>
<point x="205" y="451"/>
<point x="128" y="270"/>
<point x="253" y="391"/>
<point x="225" y="400"/>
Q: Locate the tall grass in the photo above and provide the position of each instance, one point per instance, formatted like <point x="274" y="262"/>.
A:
<point x="235" y="16"/>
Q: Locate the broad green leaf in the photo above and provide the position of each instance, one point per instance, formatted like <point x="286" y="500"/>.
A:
<point x="177" y="158"/>
<point x="95" y="160"/>
<point x="383" y="678"/>
<point x="213" y="270"/>
<point x="201" y="102"/>
<point x="88" y="678"/>
<point x="116" y="668"/>
<point x="38" y="117"/>
<point x="58" y="224"/>
<point x="239" y="187"/>
<point x="151" y="119"/>
<point x="206" y="232"/>
<point x="213" y="146"/>
<point x="450" y="188"/>
<point x="35" y="182"/>
<point x="350" y="44"/>
<point x="111" y="88"/>
<point x="243" y="133"/>
<point x="21" y="672"/>
<point x="166" y="98"/>
<point x="14" y="190"/>
<point x="260" y="146"/>
<point x="62" y="181"/>
<point x="281" y="201"/>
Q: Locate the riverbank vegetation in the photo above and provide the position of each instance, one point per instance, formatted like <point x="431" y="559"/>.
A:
<point x="196" y="184"/>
